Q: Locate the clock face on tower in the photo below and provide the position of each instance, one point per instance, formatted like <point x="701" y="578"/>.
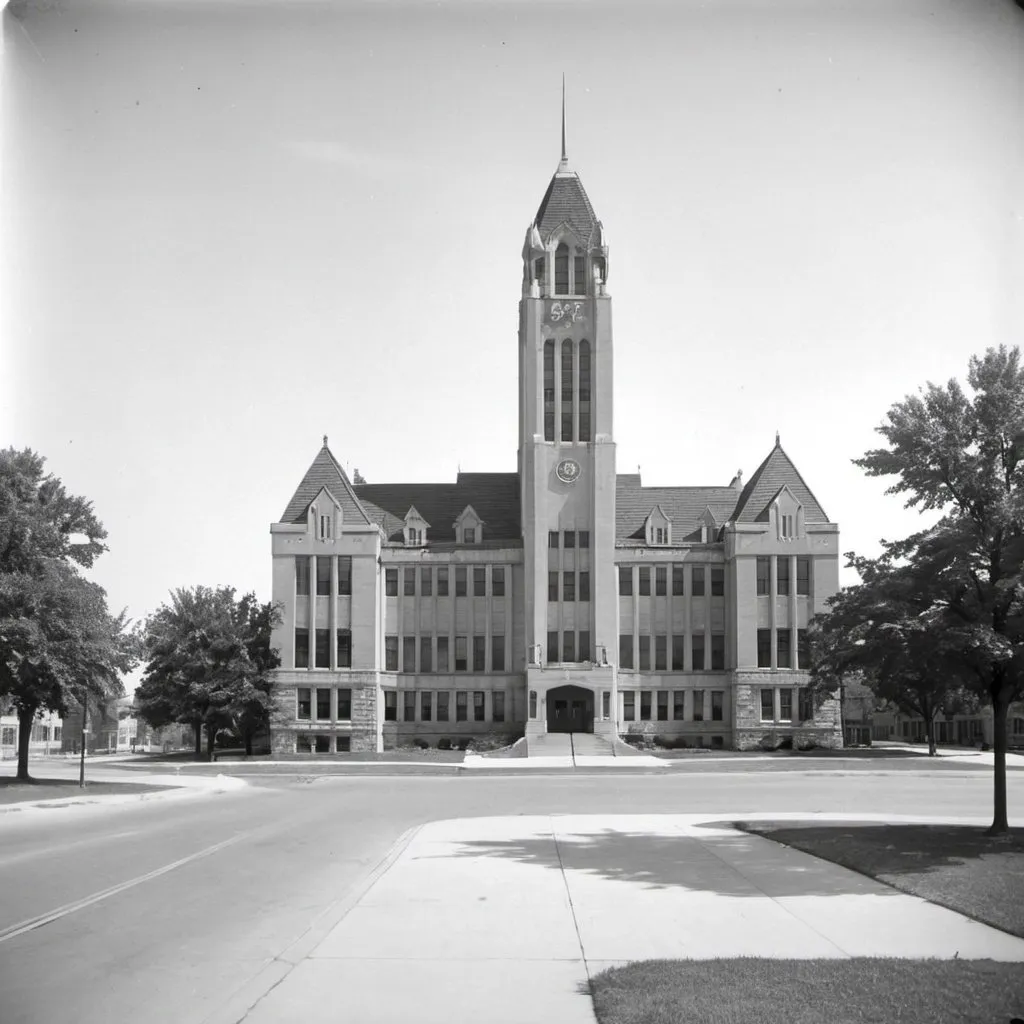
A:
<point x="568" y="471"/>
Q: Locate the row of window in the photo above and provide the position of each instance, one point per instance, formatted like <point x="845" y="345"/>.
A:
<point x="573" y="393"/>
<point x="436" y="706"/>
<point x="569" y="589"/>
<point x="323" y="704"/>
<point x="323" y="574"/>
<point x="655" y="656"/>
<point x="782" y="709"/>
<point x="782" y="578"/>
<point x="660" y="580"/>
<point x="465" y="655"/>
<point x="429" y="584"/>
<point x="569" y="539"/>
<point x="783" y="649"/>
<point x="574" y="648"/>
<point x="654" y="705"/>
<point x="322" y="650"/>
<point x="306" y="743"/>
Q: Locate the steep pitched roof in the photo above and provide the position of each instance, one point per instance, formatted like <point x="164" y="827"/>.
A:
<point x="494" y="497"/>
<point x="325" y="472"/>
<point x="776" y="472"/>
<point x="566" y="201"/>
<point x="683" y="506"/>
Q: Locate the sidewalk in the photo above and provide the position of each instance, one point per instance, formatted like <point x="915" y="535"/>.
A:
<point x="511" y="916"/>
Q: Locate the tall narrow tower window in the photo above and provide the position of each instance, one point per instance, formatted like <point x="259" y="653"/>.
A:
<point x="549" y="391"/>
<point x="567" y="389"/>
<point x="585" y="390"/>
<point x="579" y="276"/>
<point x="538" y="272"/>
<point x="562" y="269"/>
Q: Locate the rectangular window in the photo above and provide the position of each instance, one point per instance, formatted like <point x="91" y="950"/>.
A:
<point x="717" y="581"/>
<point x="426" y="706"/>
<point x="803" y="650"/>
<point x="303" y="744"/>
<point x="408" y="654"/>
<point x="426" y="580"/>
<point x="552" y="586"/>
<point x="786" y="704"/>
<point x="479" y="581"/>
<point x="469" y="535"/>
<point x="717" y="652"/>
<point x="553" y="540"/>
<point x="479" y="706"/>
<point x="698" y="705"/>
<point x="426" y="645"/>
<point x="579" y="276"/>
<point x="678" y="705"/>
<point x="606" y="705"/>
<point x="625" y="581"/>
<point x="764" y="648"/>
<point x="323" y="743"/>
<point x="805" y="704"/>
<point x="442" y="581"/>
<point x="391" y="582"/>
<point x="568" y="586"/>
<point x="697" y="650"/>
<point x="345" y="574"/>
<point x="323" y="648"/>
<point x="461" y="654"/>
<point x="304" y="708"/>
<point x="628" y="706"/>
<point x="390" y="705"/>
<point x="323" y="577"/>
<point x="645" y="705"/>
<point x="678" y="649"/>
<point x="698" y="581"/>
<point x="302" y="576"/>
<point x="497" y="654"/>
<point x="460" y="581"/>
<point x="568" y="647"/>
<point x="344" y="705"/>
<point x="663" y="705"/>
<point x="498" y="581"/>
<point x="803" y="576"/>
<point x="764" y="579"/>
<point x="409" y="706"/>
<point x="645" y="581"/>
<point x="442" y="705"/>
<point x="782" y="575"/>
<point x="678" y="577"/>
<point x="782" y="655"/>
<point x="660" y="580"/>
<point x="717" y="705"/>
<point x="584" y="537"/>
<point x="645" y="653"/>
<point x="302" y="648"/>
<point x="584" y="651"/>
<point x="625" y="650"/>
<point x="552" y="647"/>
<point x="767" y="705"/>
<point x="409" y="581"/>
<point x="584" y="586"/>
<point x="461" y="706"/>
<point x="660" y="653"/>
<point x="479" y="654"/>
<point x="569" y="539"/>
<point x="344" y="648"/>
<point x="323" y="704"/>
<point x="391" y="653"/>
<point x="498" y="706"/>
<point x="442" y="654"/>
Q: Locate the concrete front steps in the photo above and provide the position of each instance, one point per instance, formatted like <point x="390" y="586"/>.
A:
<point x="577" y="744"/>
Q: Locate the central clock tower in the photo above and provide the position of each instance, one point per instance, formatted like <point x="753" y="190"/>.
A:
<point x="567" y="455"/>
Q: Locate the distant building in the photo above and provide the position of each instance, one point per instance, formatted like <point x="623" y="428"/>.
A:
<point x="47" y="732"/>
<point x="964" y="730"/>
<point x="565" y="596"/>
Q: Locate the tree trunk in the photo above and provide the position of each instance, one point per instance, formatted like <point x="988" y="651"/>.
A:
<point x="26" y="716"/>
<point x="197" y="728"/>
<point x="211" y="736"/>
<point x="929" y="730"/>
<point x="248" y="742"/>
<point x="1000" y="707"/>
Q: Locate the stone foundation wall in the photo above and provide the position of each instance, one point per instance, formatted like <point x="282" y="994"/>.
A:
<point x="751" y="733"/>
<point x="363" y="729"/>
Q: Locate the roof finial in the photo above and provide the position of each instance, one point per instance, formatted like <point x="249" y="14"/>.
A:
<point x="564" y="158"/>
<point x="325" y="440"/>
<point x="778" y="444"/>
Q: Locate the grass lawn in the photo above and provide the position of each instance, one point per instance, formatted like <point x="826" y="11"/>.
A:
<point x="14" y="792"/>
<point x="881" y="991"/>
<point x="954" y="866"/>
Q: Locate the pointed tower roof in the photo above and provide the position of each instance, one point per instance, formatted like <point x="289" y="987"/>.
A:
<point x="777" y="471"/>
<point x="326" y="472"/>
<point x="566" y="201"/>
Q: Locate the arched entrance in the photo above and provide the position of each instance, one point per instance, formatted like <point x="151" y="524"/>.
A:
<point x="570" y="709"/>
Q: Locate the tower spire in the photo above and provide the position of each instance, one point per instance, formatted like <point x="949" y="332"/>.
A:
<point x="564" y="162"/>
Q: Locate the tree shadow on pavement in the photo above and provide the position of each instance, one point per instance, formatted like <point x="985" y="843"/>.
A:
<point x="733" y="865"/>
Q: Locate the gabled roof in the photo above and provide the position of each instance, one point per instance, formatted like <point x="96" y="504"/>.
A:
<point x="325" y="472"/>
<point x="683" y="506"/>
<point x="494" y="497"/>
<point x="776" y="472"/>
<point x="566" y="202"/>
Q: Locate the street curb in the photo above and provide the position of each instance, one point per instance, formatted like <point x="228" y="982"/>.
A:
<point x="237" y="1006"/>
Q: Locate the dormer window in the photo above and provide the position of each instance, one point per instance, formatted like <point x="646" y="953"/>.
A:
<point x="469" y="527"/>
<point x="786" y="526"/>
<point x="788" y="514"/>
<point x="659" y="529"/>
<point x="469" y="535"/>
<point x="325" y="527"/>
<point x="415" y="530"/>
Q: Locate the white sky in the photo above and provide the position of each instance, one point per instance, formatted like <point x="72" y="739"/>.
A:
<point x="230" y="228"/>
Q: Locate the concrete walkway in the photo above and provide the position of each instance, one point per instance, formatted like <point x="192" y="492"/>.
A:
<point x="511" y="916"/>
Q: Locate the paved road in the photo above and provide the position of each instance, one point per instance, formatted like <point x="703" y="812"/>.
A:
<point x="235" y="878"/>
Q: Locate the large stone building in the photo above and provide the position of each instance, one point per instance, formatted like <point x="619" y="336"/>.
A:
<point x="561" y="597"/>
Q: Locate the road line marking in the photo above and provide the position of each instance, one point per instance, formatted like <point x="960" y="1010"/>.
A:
<point x="69" y="908"/>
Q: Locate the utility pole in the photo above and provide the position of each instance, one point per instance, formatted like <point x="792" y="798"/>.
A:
<point x="81" y="763"/>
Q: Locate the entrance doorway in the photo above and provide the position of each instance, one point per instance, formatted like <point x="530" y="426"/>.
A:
<point x="570" y="709"/>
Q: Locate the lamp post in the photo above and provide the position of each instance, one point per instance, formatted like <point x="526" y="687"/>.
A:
<point x="81" y="762"/>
